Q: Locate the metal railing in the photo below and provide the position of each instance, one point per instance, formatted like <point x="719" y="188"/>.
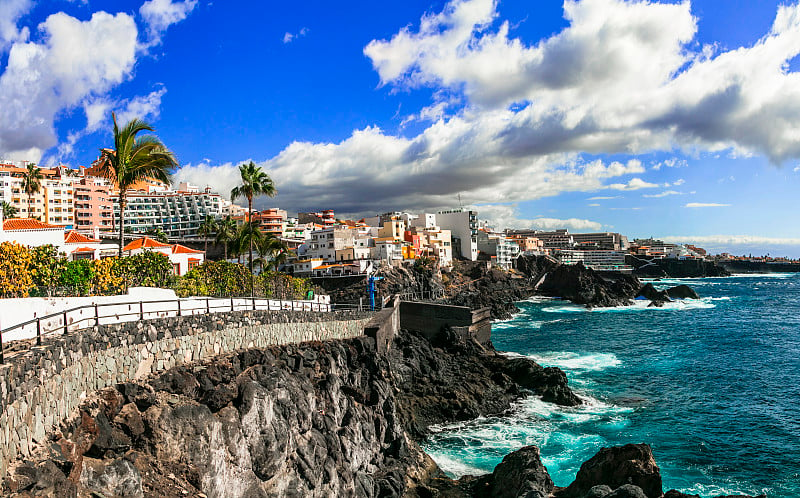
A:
<point x="87" y="316"/>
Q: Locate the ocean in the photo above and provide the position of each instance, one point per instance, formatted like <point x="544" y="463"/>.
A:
<point x="713" y="385"/>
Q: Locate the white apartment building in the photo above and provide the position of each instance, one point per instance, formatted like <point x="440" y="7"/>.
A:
<point x="463" y="226"/>
<point x="324" y="243"/>
<point x="178" y="213"/>
<point x="503" y="249"/>
<point x="601" y="260"/>
<point x="53" y="204"/>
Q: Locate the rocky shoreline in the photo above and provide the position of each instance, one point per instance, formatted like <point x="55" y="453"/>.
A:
<point x="317" y="419"/>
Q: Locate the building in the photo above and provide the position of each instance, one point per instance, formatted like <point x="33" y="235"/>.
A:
<point x="93" y="205"/>
<point x="556" y="239"/>
<point x="79" y="246"/>
<point x="178" y="213"/>
<point x="501" y="250"/>
<point x="326" y="218"/>
<point x="463" y="226"/>
<point x="394" y="229"/>
<point x="529" y="245"/>
<point x="53" y="204"/>
<point x="324" y="243"/>
<point x="603" y="240"/>
<point x="271" y="221"/>
<point x="599" y="260"/>
<point x="182" y="258"/>
<point x="31" y="233"/>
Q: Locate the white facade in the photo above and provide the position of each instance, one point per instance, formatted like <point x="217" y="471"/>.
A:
<point x="178" y="214"/>
<point x="597" y="260"/>
<point x="463" y="225"/>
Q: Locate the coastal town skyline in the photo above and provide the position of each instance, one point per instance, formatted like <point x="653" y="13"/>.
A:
<point x="399" y="112"/>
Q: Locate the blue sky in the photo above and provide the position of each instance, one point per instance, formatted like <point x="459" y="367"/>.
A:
<point x="669" y="119"/>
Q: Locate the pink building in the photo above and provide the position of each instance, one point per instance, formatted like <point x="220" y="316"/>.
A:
<point x="93" y="206"/>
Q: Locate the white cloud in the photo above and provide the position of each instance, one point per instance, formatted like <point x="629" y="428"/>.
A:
<point x="796" y="169"/>
<point x="161" y="14"/>
<point x="10" y="12"/>
<point x="663" y="194"/>
<point x="289" y="37"/>
<point x="673" y="162"/>
<point x="705" y="205"/>
<point x="633" y="184"/>
<point x="732" y="240"/>
<point x="502" y="216"/>
<point x="679" y="182"/>
<point x="76" y="62"/>
<point x="621" y="77"/>
<point x="147" y="107"/>
<point x="604" y="198"/>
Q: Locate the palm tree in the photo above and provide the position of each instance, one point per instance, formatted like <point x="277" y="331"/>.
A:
<point x="9" y="211"/>
<point x="32" y="184"/>
<point x="134" y="159"/>
<point x="272" y="252"/>
<point x="206" y="228"/>
<point x="255" y="182"/>
<point x="247" y="236"/>
<point x="226" y="233"/>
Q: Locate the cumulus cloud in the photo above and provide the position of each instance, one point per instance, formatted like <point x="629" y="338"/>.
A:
<point x="705" y="205"/>
<point x="502" y="216"/>
<point x="289" y="37"/>
<point x="10" y="12"/>
<point x="622" y="78"/>
<point x="673" y="162"/>
<point x="76" y="61"/>
<point x="604" y="197"/>
<point x="633" y="184"/>
<point x="161" y="14"/>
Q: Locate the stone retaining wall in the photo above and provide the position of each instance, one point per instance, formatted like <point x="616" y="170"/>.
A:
<point x="42" y="385"/>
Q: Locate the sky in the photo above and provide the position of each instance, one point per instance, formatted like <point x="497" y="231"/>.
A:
<point x="678" y="120"/>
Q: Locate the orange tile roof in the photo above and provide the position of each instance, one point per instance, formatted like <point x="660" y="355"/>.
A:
<point x="73" y="237"/>
<point x="179" y="249"/>
<point x="194" y="260"/>
<point x="144" y="243"/>
<point x="26" y="224"/>
<point x="84" y="249"/>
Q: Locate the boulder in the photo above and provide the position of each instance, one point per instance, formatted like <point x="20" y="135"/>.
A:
<point x="585" y="286"/>
<point x="682" y="292"/>
<point x="521" y="474"/>
<point x="656" y="296"/>
<point x="600" y="491"/>
<point x="615" y="467"/>
<point x="627" y="491"/>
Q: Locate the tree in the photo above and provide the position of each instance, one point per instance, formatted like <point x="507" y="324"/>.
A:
<point x="206" y="228"/>
<point x="32" y="184"/>
<point x="9" y="211"/>
<point x="272" y="252"/>
<point x="226" y="233"/>
<point x="158" y="234"/>
<point x="134" y="159"/>
<point x="255" y="182"/>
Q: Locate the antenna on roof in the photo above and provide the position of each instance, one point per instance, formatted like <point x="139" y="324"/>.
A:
<point x="460" y="204"/>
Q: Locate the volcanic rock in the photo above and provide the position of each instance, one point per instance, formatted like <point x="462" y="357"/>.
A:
<point x="520" y="474"/>
<point x="682" y="292"/>
<point x="615" y="467"/>
<point x="657" y="297"/>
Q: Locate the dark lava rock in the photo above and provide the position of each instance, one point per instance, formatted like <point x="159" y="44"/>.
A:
<point x="615" y="467"/>
<point x="521" y="474"/>
<point x="682" y="292"/>
<point x="656" y="296"/>
<point x="627" y="491"/>
<point x="600" y="491"/>
<point x="585" y="286"/>
<point x="550" y="382"/>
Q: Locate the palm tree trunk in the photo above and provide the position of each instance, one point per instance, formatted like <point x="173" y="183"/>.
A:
<point x="121" y="222"/>
<point x="250" y="220"/>
<point x="30" y="215"/>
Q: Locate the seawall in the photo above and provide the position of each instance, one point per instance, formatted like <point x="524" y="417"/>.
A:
<point x="42" y="385"/>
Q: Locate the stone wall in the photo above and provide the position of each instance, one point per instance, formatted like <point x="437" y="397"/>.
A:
<point x="42" y="385"/>
<point x="429" y="319"/>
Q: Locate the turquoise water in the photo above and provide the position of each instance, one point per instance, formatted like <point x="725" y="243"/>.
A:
<point x="713" y="385"/>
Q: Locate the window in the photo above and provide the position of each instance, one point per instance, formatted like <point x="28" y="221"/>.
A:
<point x="176" y="268"/>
